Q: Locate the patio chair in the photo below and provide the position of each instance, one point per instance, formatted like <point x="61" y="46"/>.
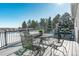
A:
<point x="31" y="43"/>
<point x="57" y="44"/>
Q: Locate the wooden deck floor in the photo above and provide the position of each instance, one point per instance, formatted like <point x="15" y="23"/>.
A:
<point x="10" y="50"/>
<point x="72" y="48"/>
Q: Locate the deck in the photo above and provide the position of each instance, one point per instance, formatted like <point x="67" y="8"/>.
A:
<point x="72" y="48"/>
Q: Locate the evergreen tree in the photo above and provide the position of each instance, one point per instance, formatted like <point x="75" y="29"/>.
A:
<point x="24" y="25"/>
<point x="42" y="23"/>
<point x="56" y="19"/>
<point x="34" y="24"/>
<point x="29" y="23"/>
<point x="67" y="21"/>
<point x="49" y="25"/>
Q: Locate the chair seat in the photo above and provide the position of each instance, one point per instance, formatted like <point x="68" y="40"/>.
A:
<point x="57" y="44"/>
<point x="48" y="43"/>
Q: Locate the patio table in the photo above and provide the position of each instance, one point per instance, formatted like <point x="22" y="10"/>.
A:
<point x="34" y="34"/>
<point x="46" y="37"/>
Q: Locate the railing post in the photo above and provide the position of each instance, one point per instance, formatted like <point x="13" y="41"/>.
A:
<point x="5" y="38"/>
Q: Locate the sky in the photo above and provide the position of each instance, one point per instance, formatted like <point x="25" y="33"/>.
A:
<point x="13" y="14"/>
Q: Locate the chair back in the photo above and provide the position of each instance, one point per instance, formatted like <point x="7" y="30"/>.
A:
<point x="62" y="42"/>
<point x="26" y="39"/>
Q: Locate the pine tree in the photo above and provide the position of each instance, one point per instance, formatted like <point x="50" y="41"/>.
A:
<point x="24" y="25"/>
<point x="49" y="25"/>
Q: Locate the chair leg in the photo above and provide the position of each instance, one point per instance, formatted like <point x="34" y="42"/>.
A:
<point x="23" y="51"/>
<point x="57" y="50"/>
<point x="53" y="52"/>
<point x="65" y="49"/>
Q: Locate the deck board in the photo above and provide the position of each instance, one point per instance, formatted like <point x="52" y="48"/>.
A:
<point x="47" y="51"/>
<point x="10" y="50"/>
<point x="72" y="48"/>
<point x="67" y="46"/>
<point x="65" y="50"/>
<point x="77" y="49"/>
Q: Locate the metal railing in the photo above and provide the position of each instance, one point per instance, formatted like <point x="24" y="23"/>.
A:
<point x="9" y="37"/>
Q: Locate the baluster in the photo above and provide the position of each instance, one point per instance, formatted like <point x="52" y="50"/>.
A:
<point x="5" y="33"/>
